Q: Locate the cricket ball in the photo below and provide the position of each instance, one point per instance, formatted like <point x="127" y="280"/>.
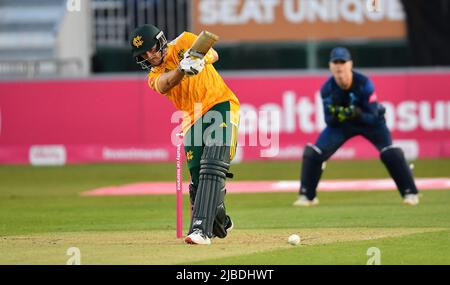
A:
<point x="293" y="239"/>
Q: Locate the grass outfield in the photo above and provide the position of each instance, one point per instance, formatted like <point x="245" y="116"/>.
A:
<point x="42" y="215"/>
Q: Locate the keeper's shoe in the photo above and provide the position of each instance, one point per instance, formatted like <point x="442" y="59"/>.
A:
<point x="303" y="201"/>
<point x="197" y="237"/>
<point x="411" y="199"/>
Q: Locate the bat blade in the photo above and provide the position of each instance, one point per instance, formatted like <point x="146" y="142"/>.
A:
<point x="203" y="44"/>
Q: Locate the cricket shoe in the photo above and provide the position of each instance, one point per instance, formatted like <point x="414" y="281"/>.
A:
<point x="197" y="237"/>
<point x="411" y="199"/>
<point x="229" y="226"/>
<point x="303" y="201"/>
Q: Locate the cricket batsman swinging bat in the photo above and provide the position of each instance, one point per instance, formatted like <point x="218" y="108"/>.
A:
<point x="203" y="44"/>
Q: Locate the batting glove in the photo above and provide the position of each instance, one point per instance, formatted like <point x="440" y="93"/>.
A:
<point x="192" y="66"/>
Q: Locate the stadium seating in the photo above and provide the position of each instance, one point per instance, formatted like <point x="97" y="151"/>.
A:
<point x="29" y="35"/>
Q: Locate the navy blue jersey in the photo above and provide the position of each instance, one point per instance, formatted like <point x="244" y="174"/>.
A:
<point x="361" y="94"/>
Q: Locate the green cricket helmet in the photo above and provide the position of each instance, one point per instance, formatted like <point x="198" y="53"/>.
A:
<point x="144" y="39"/>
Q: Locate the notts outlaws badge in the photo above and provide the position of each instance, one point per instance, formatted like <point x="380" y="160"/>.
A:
<point x="190" y="155"/>
<point x="137" y="41"/>
<point x="180" y="54"/>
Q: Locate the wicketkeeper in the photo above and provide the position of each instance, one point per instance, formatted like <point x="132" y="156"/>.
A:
<point x="351" y="109"/>
<point x="193" y="84"/>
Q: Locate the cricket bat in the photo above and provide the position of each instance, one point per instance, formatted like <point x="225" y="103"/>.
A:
<point x="203" y="44"/>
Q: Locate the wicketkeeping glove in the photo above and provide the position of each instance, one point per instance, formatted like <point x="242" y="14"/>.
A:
<point x="347" y="113"/>
<point x="338" y="112"/>
<point x="332" y="109"/>
<point x="341" y="114"/>
<point x="191" y="66"/>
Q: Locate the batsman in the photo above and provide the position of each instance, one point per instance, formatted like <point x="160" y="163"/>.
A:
<point x="182" y="70"/>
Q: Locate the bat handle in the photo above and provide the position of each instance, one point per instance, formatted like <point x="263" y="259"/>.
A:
<point x="196" y="54"/>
